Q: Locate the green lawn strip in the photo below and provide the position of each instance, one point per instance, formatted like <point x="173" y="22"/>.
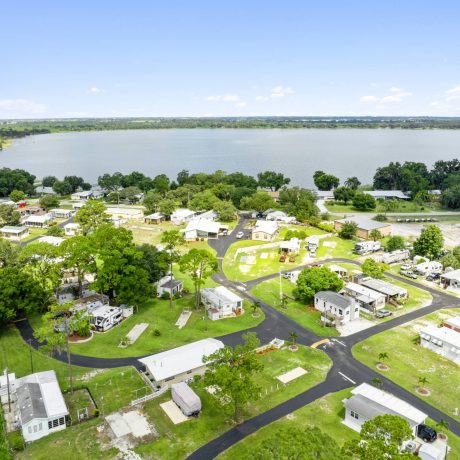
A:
<point x="15" y="354"/>
<point x="269" y="292"/>
<point x="177" y="441"/>
<point x="33" y="233"/>
<point x="326" y="413"/>
<point x="333" y="246"/>
<point x="159" y="316"/>
<point x="402" y="207"/>
<point x="408" y="362"/>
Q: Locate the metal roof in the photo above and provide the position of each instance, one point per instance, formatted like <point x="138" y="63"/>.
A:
<point x="444" y="334"/>
<point x="334" y="298"/>
<point x="13" y="229"/>
<point x="384" y="403"/>
<point x="384" y="287"/>
<point x="179" y="360"/>
<point x="220" y="294"/>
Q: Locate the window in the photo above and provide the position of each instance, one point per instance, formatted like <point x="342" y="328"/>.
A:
<point x="189" y="372"/>
<point x="340" y="312"/>
<point x="354" y="414"/>
<point x="170" y="378"/>
<point x="55" y="423"/>
<point x="61" y="421"/>
<point x="50" y="425"/>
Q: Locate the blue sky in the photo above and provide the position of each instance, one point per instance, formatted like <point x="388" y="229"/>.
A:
<point x="224" y="58"/>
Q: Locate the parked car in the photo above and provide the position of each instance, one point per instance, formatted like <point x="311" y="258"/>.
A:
<point x="287" y="275"/>
<point x="291" y="258"/>
<point x="426" y="433"/>
<point x="433" y="276"/>
<point x="282" y="258"/>
<point x="409" y="274"/>
<point x="383" y="313"/>
<point x="240" y="235"/>
<point x="406" y="267"/>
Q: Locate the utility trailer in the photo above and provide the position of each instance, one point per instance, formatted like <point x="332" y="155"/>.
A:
<point x="186" y="399"/>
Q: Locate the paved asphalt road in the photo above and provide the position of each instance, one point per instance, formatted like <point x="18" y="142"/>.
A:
<point x="345" y="372"/>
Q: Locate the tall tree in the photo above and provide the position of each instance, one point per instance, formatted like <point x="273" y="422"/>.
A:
<point x="344" y="194"/>
<point x="348" y="230"/>
<point x="395" y="242"/>
<point x="17" y="195"/>
<point x="364" y="202"/>
<point x="272" y="180"/>
<point x="314" y="279"/>
<point x="200" y="264"/>
<point x="325" y="181"/>
<point x="430" y="242"/>
<point x="298" y="202"/>
<point x="231" y="372"/>
<point x="9" y="215"/>
<point x="353" y="183"/>
<point x="48" y="202"/>
<point x="373" y="269"/>
<point x="172" y="240"/>
<point x="259" y="202"/>
<point x="91" y="216"/>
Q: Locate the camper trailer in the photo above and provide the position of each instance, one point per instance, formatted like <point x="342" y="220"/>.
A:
<point x="105" y="317"/>
<point x="365" y="247"/>
<point x="425" y="268"/>
<point x="186" y="399"/>
<point x="394" y="257"/>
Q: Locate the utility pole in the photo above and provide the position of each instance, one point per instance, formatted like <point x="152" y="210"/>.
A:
<point x="8" y="389"/>
<point x="281" y="291"/>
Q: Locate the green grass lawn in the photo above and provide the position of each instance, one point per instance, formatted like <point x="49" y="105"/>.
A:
<point x="333" y="246"/>
<point x="408" y="361"/>
<point x="159" y="316"/>
<point x="269" y="292"/>
<point x="403" y="206"/>
<point x="177" y="441"/>
<point x="34" y="232"/>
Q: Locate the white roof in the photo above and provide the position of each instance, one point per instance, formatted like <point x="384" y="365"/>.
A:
<point x="57" y="210"/>
<point x="13" y="229"/>
<point x="429" y="451"/>
<point x="203" y="225"/>
<point x="384" y="287"/>
<point x="51" y="393"/>
<point x="364" y="291"/>
<point x="72" y="225"/>
<point x="155" y="215"/>
<point x="221" y="293"/>
<point x="38" y="219"/>
<point x="390" y="402"/>
<point x="293" y="243"/>
<point x="387" y="194"/>
<point x="444" y="334"/>
<point x="337" y="268"/>
<point x="126" y="211"/>
<point x="179" y="360"/>
<point x="430" y="264"/>
<point x="182" y="213"/>
<point x="265" y="226"/>
<point x="54" y="240"/>
<point x="454" y="322"/>
<point x="453" y="275"/>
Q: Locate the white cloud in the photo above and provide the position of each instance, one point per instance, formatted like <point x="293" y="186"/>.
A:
<point x="453" y="93"/>
<point x="21" y="106"/>
<point x="241" y="104"/>
<point x="262" y="98"/>
<point x="94" y="90"/>
<point x="224" y="98"/>
<point x="394" y="95"/>
<point x="280" y="91"/>
<point x="455" y="89"/>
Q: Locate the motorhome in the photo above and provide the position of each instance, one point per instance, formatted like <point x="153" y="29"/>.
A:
<point x="365" y="247"/>
<point x="105" y="317"/>
<point x="393" y="257"/>
<point x="426" y="268"/>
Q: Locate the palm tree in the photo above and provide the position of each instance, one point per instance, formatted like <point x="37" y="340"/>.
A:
<point x="443" y="425"/>
<point x="283" y="301"/>
<point x="377" y="382"/>
<point x="383" y="356"/>
<point x="293" y="337"/>
<point x="422" y="381"/>
<point x="255" y="306"/>
<point x="375" y="235"/>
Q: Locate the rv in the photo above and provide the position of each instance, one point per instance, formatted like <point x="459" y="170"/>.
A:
<point x="393" y="257"/>
<point x="105" y="317"/>
<point x="365" y="247"/>
<point x="425" y="268"/>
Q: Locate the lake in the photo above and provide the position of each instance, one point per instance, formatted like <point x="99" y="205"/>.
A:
<point x="295" y="152"/>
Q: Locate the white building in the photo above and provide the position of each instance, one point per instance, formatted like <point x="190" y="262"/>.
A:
<point x="367" y="298"/>
<point x="169" y="285"/>
<point x="14" y="233"/>
<point x="426" y="268"/>
<point x="179" y="364"/>
<point x="264" y="230"/>
<point x="182" y="215"/>
<point x="203" y="228"/>
<point x="389" y="290"/>
<point x="444" y="341"/>
<point x="451" y="279"/>
<point x="221" y="302"/>
<point x="387" y="194"/>
<point x="291" y="247"/>
<point x="155" y="218"/>
<point x="54" y="240"/>
<point x="37" y="221"/>
<point x="341" y="271"/>
<point x="87" y="195"/>
<point x="336" y="308"/>
<point x="368" y="402"/>
<point x="453" y="323"/>
<point x="41" y="408"/>
<point x="280" y="216"/>
<point x="72" y="229"/>
<point x="61" y="213"/>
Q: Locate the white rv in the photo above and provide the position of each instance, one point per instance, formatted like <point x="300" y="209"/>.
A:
<point x="365" y="247"/>
<point x="105" y="317"/>
<point x="425" y="268"/>
<point x="400" y="255"/>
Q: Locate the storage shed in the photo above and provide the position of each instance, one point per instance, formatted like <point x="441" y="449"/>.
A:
<point x="186" y="399"/>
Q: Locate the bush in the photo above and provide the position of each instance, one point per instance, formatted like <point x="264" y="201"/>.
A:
<point x="96" y="412"/>
<point x="16" y="441"/>
<point x="165" y="296"/>
<point x="326" y="227"/>
<point x="380" y="218"/>
<point x="156" y="332"/>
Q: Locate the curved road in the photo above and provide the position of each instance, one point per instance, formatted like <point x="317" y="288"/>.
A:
<point x="345" y="372"/>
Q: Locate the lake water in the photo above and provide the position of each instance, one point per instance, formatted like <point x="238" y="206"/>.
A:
<point x="295" y="152"/>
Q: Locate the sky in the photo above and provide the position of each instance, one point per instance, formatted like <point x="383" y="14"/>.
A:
<point x="229" y="58"/>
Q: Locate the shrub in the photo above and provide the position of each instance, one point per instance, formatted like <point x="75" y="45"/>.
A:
<point x="16" y="441"/>
<point x="380" y="218"/>
<point x="165" y="296"/>
<point x="156" y="332"/>
<point x="96" y="412"/>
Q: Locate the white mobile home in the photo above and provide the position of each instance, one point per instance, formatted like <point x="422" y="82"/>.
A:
<point x="222" y="300"/>
<point x="169" y="285"/>
<point x="179" y="364"/>
<point x="182" y="216"/>
<point x="442" y="340"/>
<point x="367" y="298"/>
<point x="41" y="408"/>
<point x="14" y="233"/>
<point x="155" y="218"/>
<point x="54" y="240"/>
<point x="61" y="213"/>
<point x="125" y="213"/>
<point x="37" y="221"/>
<point x="264" y="230"/>
<point x="389" y="290"/>
<point x="72" y="229"/>
<point x="451" y="279"/>
<point x="291" y="247"/>
<point x="368" y="402"/>
<point x="203" y="228"/>
<point x="336" y="308"/>
<point x="426" y="268"/>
